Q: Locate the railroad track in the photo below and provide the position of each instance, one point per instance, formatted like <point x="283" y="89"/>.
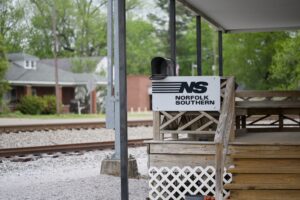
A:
<point x="64" y="148"/>
<point x="69" y="125"/>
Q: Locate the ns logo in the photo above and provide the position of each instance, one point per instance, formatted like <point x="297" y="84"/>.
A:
<point x="194" y="87"/>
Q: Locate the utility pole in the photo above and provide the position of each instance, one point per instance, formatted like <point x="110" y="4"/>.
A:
<point x="55" y="44"/>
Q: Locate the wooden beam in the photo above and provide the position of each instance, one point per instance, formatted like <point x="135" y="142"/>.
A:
<point x="156" y="124"/>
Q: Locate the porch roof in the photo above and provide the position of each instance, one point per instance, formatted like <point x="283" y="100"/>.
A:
<point x="248" y="15"/>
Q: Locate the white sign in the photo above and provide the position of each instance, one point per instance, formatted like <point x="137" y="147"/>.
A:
<point x="186" y="93"/>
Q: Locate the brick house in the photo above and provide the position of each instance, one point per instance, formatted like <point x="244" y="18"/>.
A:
<point x="28" y="75"/>
<point x="138" y="93"/>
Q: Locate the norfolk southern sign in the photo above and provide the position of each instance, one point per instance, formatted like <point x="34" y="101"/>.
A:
<point x="186" y="93"/>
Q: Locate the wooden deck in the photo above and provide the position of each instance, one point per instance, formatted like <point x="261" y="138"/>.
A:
<point x="256" y="133"/>
<point x="268" y="138"/>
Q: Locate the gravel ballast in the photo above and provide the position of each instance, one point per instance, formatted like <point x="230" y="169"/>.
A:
<point x="53" y="137"/>
<point x="68" y="177"/>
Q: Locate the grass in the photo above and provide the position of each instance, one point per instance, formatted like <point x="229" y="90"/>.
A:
<point x="70" y="116"/>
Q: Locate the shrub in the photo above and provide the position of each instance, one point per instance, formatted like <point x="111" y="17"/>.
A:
<point x="31" y="105"/>
<point x="49" y="104"/>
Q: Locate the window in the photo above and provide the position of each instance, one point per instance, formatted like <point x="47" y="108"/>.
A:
<point x="34" y="92"/>
<point x="32" y="64"/>
<point x="26" y="63"/>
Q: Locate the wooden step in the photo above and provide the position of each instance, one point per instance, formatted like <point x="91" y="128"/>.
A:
<point x="259" y="170"/>
<point x="263" y="151"/>
<point x="265" y="195"/>
<point x="267" y="166"/>
<point x="286" y="180"/>
<point x="283" y="186"/>
<point x="265" y="182"/>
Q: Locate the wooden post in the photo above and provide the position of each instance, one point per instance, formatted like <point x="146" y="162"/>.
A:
<point x="233" y="128"/>
<point x="223" y="135"/>
<point x="156" y="126"/>
<point x="219" y="171"/>
<point x="281" y="121"/>
<point x="238" y="122"/>
<point x="175" y="136"/>
<point x="244" y="121"/>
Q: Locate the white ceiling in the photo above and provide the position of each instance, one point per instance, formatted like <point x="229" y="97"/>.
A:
<point x="249" y="15"/>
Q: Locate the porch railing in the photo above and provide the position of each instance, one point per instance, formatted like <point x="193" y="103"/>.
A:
<point x="272" y="109"/>
<point x="225" y="132"/>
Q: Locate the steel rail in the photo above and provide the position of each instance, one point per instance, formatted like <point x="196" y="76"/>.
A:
<point x="22" y="151"/>
<point x="65" y="125"/>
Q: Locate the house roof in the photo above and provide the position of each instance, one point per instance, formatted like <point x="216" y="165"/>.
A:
<point x="248" y="15"/>
<point x="44" y="75"/>
<point x="66" y="63"/>
<point x="21" y="56"/>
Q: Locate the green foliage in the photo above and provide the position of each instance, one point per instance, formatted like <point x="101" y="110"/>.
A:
<point x="32" y="105"/>
<point x="3" y="67"/>
<point x="142" y="46"/>
<point x="35" y="105"/>
<point x="49" y="104"/>
<point x="11" y="27"/>
<point x="80" y="28"/>
<point x="248" y="56"/>
<point x="285" y="71"/>
<point x="258" y="60"/>
<point x="183" y="19"/>
<point x="187" y="49"/>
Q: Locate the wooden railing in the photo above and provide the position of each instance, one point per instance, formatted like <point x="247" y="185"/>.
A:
<point x="225" y="131"/>
<point x="172" y="125"/>
<point x="271" y="108"/>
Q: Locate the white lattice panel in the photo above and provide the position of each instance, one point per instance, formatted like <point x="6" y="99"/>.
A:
<point x="174" y="183"/>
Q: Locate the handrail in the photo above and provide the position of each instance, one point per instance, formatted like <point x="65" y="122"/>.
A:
<point x="223" y="134"/>
<point x="263" y="93"/>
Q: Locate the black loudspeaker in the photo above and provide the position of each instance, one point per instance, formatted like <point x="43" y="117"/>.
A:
<point x="161" y="68"/>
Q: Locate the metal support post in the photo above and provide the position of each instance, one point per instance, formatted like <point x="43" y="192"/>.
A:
<point x="109" y="101"/>
<point x="172" y="30"/>
<point x="199" y="46"/>
<point x="220" y="36"/>
<point x="121" y="91"/>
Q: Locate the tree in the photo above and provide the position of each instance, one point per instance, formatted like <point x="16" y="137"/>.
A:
<point x="80" y="28"/>
<point x="142" y="46"/>
<point x="183" y="19"/>
<point x="41" y="38"/>
<point x="12" y="24"/>
<point x="248" y="56"/>
<point x="285" y="70"/>
<point x="3" y="67"/>
<point x="90" y="35"/>
<point x="187" y="55"/>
